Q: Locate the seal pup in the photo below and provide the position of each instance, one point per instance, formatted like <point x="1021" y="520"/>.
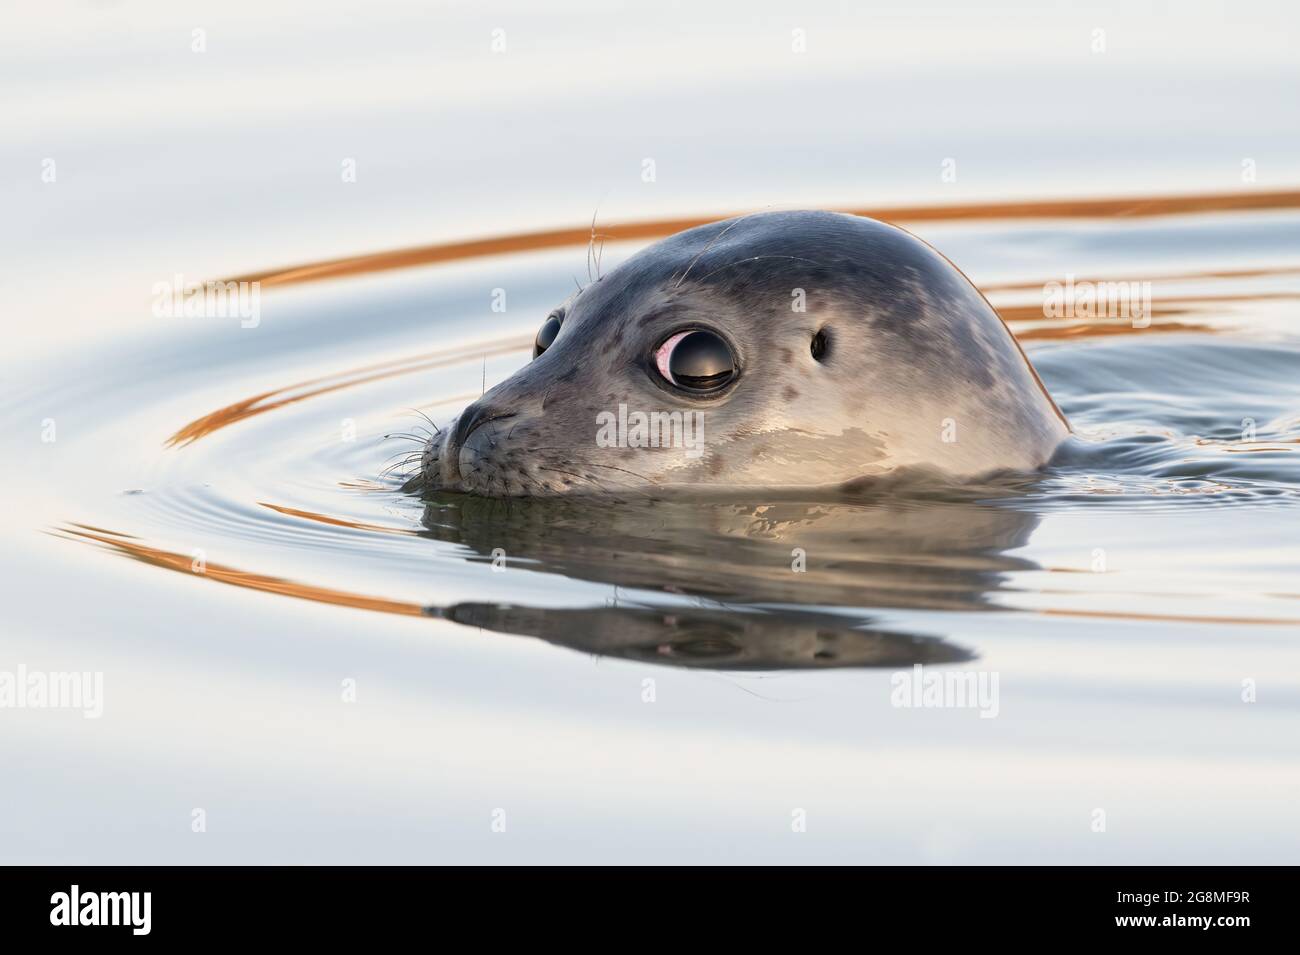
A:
<point x="774" y="350"/>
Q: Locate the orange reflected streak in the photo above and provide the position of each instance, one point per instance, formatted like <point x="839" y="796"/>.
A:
<point x="1169" y="305"/>
<point x="1166" y="277"/>
<point x="278" y="585"/>
<point x="1022" y="312"/>
<point x="1168" y="617"/>
<point x="338" y="521"/>
<point x="1096" y="330"/>
<point x="657" y="228"/>
<point x="259" y="404"/>
<point x="239" y="578"/>
<point x="452" y="251"/>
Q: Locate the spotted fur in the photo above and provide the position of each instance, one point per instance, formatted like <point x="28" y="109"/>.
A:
<point x="919" y="370"/>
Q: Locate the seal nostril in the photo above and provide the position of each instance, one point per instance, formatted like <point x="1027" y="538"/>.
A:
<point x="474" y="417"/>
<point x="820" y="344"/>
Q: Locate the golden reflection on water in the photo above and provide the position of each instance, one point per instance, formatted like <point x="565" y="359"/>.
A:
<point x="996" y="288"/>
<point x="168" y="560"/>
<point x="292" y="394"/>
<point x="338" y="521"/>
<point x="1168" y="313"/>
<point x="1124" y="207"/>
<point x="131" y="547"/>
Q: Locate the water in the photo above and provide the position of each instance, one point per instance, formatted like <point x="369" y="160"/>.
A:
<point x="639" y="680"/>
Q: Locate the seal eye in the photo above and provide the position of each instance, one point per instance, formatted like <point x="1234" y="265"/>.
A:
<point x="546" y="334"/>
<point x="696" y="360"/>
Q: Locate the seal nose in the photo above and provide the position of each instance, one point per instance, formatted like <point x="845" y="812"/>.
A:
<point x="475" y="416"/>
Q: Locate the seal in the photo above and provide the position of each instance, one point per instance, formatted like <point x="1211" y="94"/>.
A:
<point x="775" y="350"/>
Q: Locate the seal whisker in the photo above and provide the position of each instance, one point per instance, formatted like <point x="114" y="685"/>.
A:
<point x="611" y="467"/>
<point x="410" y="459"/>
<point x="426" y="418"/>
<point x="591" y="242"/>
<point x="393" y="467"/>
<point x="705" y="250"/>
<point x="580" y="477"/>
<point x="755" y="258"/>
<point x="419" y="451"/>
<point x="410" y="455"/>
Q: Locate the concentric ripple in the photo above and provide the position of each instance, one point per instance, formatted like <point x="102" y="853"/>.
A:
<point x="1175" y="504"/>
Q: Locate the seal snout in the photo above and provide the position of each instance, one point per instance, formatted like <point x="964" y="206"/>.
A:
<point x="475" y="416"/>
<point x="459" y="434"/>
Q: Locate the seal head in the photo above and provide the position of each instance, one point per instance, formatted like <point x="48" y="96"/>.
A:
<point x="774" y="350"/>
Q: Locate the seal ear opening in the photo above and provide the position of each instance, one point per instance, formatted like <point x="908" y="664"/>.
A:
<point x="821" y="345"/>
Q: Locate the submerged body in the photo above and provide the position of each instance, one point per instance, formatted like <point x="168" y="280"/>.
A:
<point x="783" y="349"/>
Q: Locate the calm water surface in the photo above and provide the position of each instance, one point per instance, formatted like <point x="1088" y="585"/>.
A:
<point x="219" y="528"/>
<point x="1122" y="597"/>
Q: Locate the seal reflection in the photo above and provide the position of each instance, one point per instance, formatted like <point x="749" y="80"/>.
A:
<point x="783" y="584"/>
